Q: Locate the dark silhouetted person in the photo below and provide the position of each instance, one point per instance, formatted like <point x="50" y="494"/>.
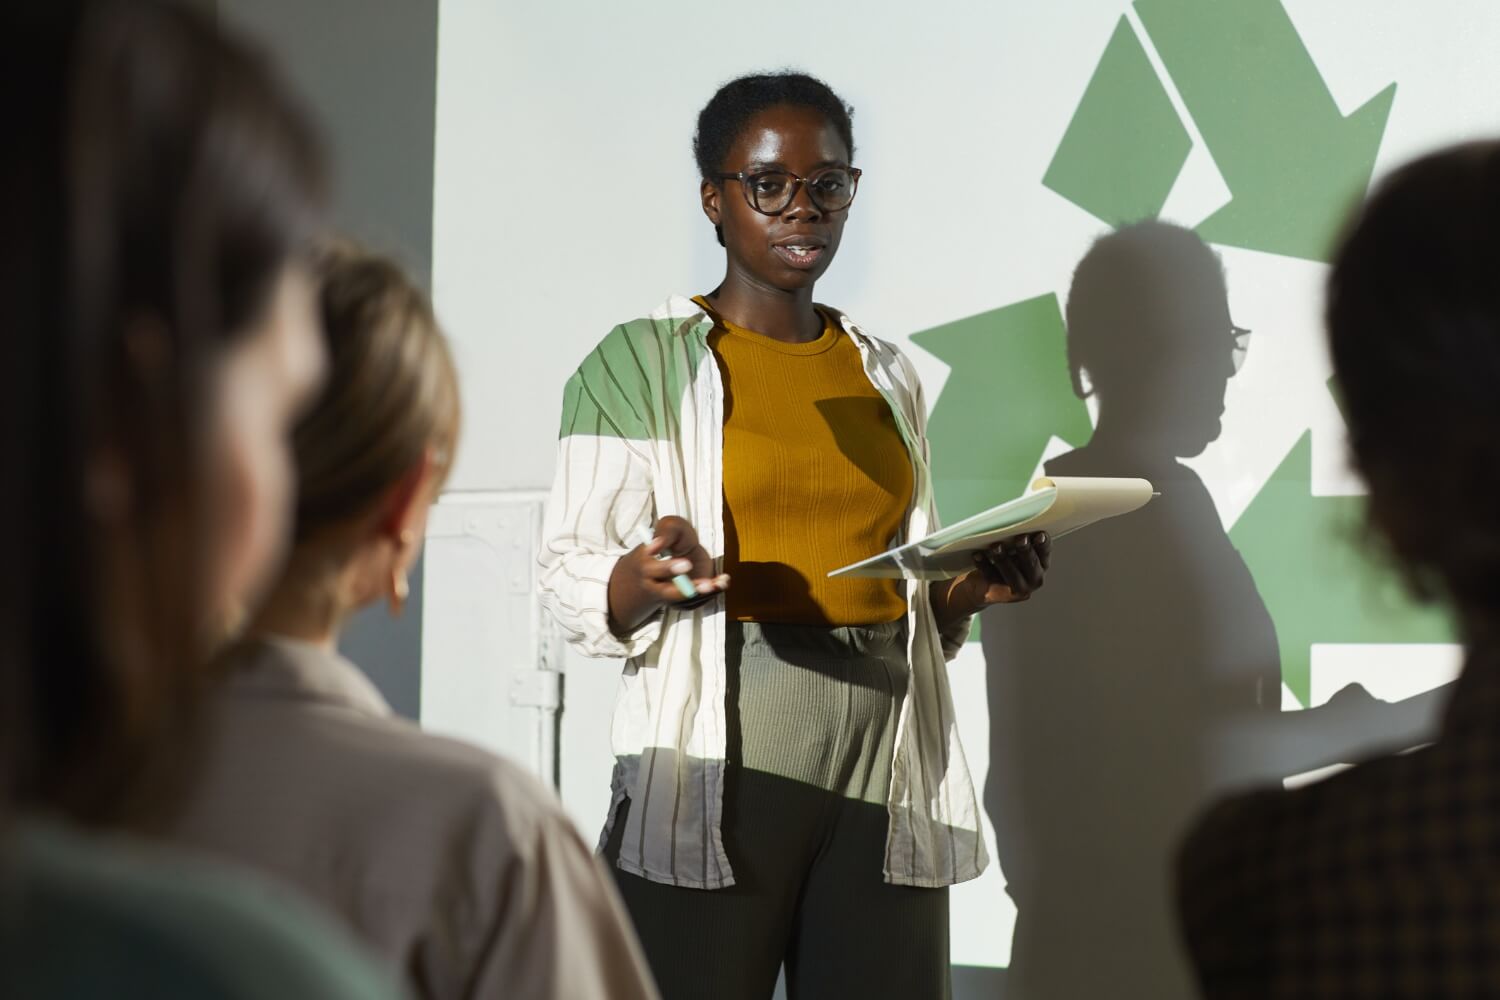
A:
<point x="1383" y="880"/>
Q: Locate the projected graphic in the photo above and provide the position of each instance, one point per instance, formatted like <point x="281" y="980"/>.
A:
<point x="1294" y="165"/>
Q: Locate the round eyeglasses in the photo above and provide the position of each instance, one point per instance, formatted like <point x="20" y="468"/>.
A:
<point x="771" y="192"/>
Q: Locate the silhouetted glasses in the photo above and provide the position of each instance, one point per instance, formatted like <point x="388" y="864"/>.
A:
<point x="769" y="192"/>
<point x="1241" y="338"/>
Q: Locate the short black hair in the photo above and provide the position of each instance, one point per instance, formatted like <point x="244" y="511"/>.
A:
<point x="734" y="104"/>
<point x="1414" y="331"/>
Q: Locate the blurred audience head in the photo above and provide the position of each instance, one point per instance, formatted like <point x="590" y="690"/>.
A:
<point x="161" y="194"/>
<point x="1414" y="328"/>
<point x="375" y="450"/>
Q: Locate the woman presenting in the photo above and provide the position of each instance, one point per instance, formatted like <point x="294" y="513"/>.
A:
<point x="788" y="785"/>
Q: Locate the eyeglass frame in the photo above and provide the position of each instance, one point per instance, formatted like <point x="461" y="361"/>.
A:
<point x="798" y="183"/>
<point x="1240" y="337"/>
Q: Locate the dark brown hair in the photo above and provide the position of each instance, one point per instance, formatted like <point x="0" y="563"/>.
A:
<point x="156" y="182"/>
<point x="391" y="393"/>
<point x="1414" y="329"/>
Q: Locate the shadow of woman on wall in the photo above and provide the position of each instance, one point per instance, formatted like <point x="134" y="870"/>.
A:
<point x="1111" y="693"/>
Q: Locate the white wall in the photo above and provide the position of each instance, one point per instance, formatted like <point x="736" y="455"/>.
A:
<point x="566" y="201"/>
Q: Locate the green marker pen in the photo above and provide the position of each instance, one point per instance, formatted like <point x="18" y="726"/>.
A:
<point x="643" y="536"/>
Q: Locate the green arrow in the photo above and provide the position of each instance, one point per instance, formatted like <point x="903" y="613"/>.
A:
<point x="1124" y="148"/>
<point x="1007" y="394"/>
<point x="1316" y="579"/>
<point x="1293" y="163"/>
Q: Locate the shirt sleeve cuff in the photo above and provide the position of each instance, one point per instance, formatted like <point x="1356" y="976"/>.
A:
<point x="598" y="638"/>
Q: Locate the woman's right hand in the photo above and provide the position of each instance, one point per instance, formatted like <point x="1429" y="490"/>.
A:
<point x="641" y="583"/>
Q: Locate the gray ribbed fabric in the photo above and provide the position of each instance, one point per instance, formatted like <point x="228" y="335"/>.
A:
<point x="818" y="705"/>
<point x="813" y="714"/>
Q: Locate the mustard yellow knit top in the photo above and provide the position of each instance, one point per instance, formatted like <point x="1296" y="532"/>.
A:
<point x="816" y="476"/>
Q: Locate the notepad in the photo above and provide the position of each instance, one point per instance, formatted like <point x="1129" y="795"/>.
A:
<point x="1057" y="505"/>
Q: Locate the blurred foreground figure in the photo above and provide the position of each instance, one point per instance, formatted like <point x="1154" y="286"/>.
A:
<point x="160" y="192"/>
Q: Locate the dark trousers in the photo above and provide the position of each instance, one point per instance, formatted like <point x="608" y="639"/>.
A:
<point x="814" y="714"/>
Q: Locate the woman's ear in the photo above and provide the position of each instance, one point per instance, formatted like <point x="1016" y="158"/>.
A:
<point x="405" y="499"/>
<point x="403" y="509"/>
<point x="710" y="193"/>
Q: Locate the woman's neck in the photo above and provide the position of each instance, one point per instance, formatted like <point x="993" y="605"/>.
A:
<point x="306" y="605"/>
<point x="746" y="301"/>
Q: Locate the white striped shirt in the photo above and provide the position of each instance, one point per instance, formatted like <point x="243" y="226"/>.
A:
<point x="643" y="437"/>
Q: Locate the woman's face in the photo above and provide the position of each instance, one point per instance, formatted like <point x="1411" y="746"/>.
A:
<point x="266" y="381"/>
<point x="765" y="248"/>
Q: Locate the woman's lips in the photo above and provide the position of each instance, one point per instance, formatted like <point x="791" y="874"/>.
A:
<point x="801" y="257"/>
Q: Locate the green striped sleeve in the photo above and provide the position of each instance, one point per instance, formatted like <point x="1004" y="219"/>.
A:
<point x="631" y="385"/>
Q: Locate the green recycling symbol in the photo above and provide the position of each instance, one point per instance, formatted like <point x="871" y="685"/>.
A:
<point x="1293" y="165"/>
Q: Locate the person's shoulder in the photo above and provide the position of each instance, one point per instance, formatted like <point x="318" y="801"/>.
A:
<point x="485" y="774"/>
<point x="336" y="727"/>
<point x="1268" y="844"/>
<point x="650" y="357"/>
<point x="1379" y="841"/>
<point x="170" y="926"/>
<point x="855" y="329"/>
<point x="473" y="785"/>
<point x="1219" y="841"/>
<point x="888" y="354"/>
<point x="670" y="319"/>
<point x="497" y="823"/>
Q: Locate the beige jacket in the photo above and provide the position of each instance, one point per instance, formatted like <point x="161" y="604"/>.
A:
<point x="453" y="864"/>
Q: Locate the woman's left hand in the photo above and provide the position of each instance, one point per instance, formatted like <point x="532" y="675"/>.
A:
<point x="1004" y="573"/>
<point x="1013" y="570"/>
